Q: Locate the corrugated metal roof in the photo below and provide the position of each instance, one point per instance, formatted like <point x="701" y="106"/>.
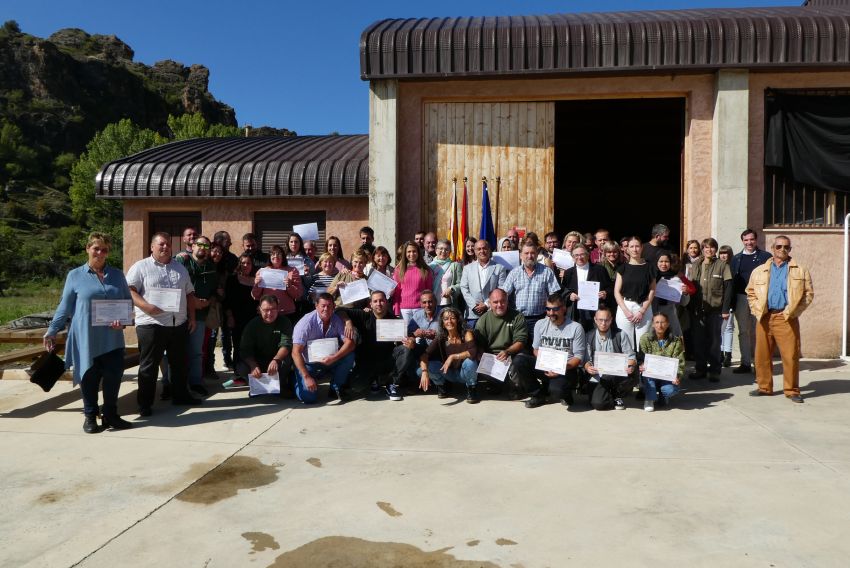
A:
<point x="607" y="42"/>
<point x="271" y="166"/>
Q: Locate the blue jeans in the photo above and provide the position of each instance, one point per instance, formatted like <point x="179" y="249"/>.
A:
<point x="196" y="352"/>
<point x="651" y="387"/>
<point x="466" y="375"/>
<point x="727" y="331"/>
<point x="338" y="373"/>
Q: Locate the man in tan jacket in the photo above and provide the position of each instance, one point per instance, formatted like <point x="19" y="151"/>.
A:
<point x="778" y="292"/>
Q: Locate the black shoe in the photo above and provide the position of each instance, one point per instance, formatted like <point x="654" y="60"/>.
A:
<point x="199" y="389"/>
<point x="640" y="395"/>
<point x="116" y="422"/>
<point x="727" y="359"/>
<point x="90" y="425"/>
<point x="166" y="392"/>
<point x="145" y="411"/>
<point x="713" y="378"/>
<point x="567" y="399"/>
<point x="338" y="393"/>
<point x="758" y="392"/>
<point x="472" y="395"/>
<point x="186" y="401"/>
<point x="442" y="391"/>
<point x="535" y="401"/>
<point x="796" y="398"/>
<point x="742" y="370"/>
<point x="697" y="375"/>
<point x="661" y="402"/>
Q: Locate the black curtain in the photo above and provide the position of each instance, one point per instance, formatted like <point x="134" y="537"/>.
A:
<point x="808" y="137"/>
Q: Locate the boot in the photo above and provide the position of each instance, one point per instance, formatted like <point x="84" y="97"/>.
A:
<point x="116" y="422"/>
<point x="90" y="425"/>
<point x="472" y="395"/>
<point x="727" y="358"/>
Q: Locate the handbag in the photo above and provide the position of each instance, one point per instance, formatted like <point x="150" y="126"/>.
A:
<point x="46" y="370"/>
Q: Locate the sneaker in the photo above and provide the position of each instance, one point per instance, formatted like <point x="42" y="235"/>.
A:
<point x="742" y="370"/>
<point x="535" y="401"/>
<point x="796" y="398"/>
<point x="472" y="395"/>
<point x="758" y="392"/>
<point x="619" y="404"/>
<point x="239" y="382"/>
<point x="649" y="405"/>
<point x="442" y="391"/>
<point x="339" y="394"/>
<point x="394" y="392"/>
<point x="568" y="399"/>
<point x="375" y="387"/>
<point x="661" y="402"/>
<point x="199" y="389"/>
<point x="727" y="359"/>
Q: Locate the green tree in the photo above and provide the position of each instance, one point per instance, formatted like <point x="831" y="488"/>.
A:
<point x="196" y="126"/>
<point x="17" y="160"/>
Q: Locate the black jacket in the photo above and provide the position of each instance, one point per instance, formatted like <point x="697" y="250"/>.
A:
<point x="569" y="285"/>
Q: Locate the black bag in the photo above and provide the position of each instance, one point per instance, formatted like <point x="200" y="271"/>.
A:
<point x="46" y="370"/>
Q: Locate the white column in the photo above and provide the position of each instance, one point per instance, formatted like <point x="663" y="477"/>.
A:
<point x="383" y="162"/>
<point x="729" y="157"/>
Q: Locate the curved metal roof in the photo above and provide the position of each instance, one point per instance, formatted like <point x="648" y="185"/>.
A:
<point x="607" y="42"/>
<point x="260" y="167"/>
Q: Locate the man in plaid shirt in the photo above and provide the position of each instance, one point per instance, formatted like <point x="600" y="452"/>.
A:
<point x="530" y="283"/>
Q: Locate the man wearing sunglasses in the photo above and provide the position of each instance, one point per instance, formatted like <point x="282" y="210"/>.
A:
<point x="778" y="292"/>
<point x="204" y="279"/>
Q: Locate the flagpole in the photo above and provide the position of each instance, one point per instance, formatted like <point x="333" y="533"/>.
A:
<point x="498" y="206"/>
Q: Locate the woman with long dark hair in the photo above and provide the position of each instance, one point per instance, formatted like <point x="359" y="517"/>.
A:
<point x="451" y="356"/>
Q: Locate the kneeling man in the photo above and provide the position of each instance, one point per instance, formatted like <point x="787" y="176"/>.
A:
<point x="266" y="343"/>
<point x="610" y="390"/>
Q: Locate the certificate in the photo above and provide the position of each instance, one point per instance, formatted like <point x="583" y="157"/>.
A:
<point x="379" y="281"/>
<point x="588" y="295"/>
<point x="296" y="262"/>
<point x="104" y="312"/>
<point x="353" y="291"/>
<point x="318" y="349"/>
<point x="509" y="259"/>
<point x="658" y="367"/>
<point x="266" y="384"/>
<point x="307" y="231"/>
<point x="552" y="360"/>
<point x="562" y="259"/>
<point x="166" y="299"/>
<point x="610" y="363"/>
<point x="390" y="329"/>
<point x="492" y="367"/>
<point x="273" y="278"/>
<point x="669" y="289"/>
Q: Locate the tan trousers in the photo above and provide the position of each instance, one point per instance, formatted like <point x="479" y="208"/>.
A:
<point x="773" y="331"/>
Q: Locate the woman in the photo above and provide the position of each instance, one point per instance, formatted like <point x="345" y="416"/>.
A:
<point x="469" y="250"/>
<point x="710" y="306"/>
<point x="320" y="281"/>
<point x="660" y="341"/>
<point x="611" y="258"/>
<point x="358" y="265"/>
<point x="380" y="262"/>
<point x="505" y="245"/>
<point x="583" y="271"/>
<point x="571" y="240"/>
<point x="452" y="356"/>
<point x="240" y="307"/>
<point x="412" y="276"/>
<point x="634" y="290"/>
<point x="690" y="256"/>
<point x="446" y="275"/>
<point x="728" y="327"/>
<point x="215" y="314"/>
<point x="334" y="247"/>
<point x="294" y="288"/>
<point x="96" y="352"/>
<point x="666" y="269"/>
<point x="295" y="250"/>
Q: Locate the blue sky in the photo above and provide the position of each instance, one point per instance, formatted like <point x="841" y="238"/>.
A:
<point x="285" y="64"/>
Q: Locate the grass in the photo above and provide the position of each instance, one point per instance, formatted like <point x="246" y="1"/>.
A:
<point x="24" y="298"/>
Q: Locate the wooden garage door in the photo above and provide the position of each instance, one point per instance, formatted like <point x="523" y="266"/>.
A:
<point x="512" y="141"/>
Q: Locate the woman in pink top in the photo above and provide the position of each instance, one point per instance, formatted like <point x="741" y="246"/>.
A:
<point x="334" y="246"/>
<point x="412" y="276"/>
<point x="294" y="289"/>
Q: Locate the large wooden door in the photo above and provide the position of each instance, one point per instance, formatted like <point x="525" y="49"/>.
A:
<point x="512" y="142"/>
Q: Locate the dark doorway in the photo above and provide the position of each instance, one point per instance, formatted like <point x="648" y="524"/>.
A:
<point x="172" y="223"/>
<point x="618" y="165"/>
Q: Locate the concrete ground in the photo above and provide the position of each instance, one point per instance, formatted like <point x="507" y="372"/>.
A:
<point x="720" y="479"/>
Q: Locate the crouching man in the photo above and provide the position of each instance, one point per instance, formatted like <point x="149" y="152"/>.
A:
<point x="610" y="390"/>
<point x="266" y="344"/>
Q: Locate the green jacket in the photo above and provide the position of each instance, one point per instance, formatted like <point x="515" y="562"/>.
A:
<point x="673" y="347"/>
<point x="261" y="341"/>
<point x="204" y="278"/>
<point x="714" y="286"/>
<point x="500" y="333"/>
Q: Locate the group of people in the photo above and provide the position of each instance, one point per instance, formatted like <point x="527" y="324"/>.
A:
<point x="476" y="318"/>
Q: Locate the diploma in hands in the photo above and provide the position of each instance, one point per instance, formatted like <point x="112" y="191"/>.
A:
<point x="669" y="289"/>
<point x="353" y="291"/>
<point x="610" y="363"/>
<point x="378" y="281"/>
<point x="552" y="360"/>
<point x="266" y="384"/>
<point x="318" y="349"/>
<point x="104" y="312"/>
<point x="273" y="278"/>
<point x="166" y="299"/>
<point x="390" y="329"/>
<point x="588" y="295"/>
<point x="562" y="259"/>
<point x="658" y="367"/>
<point x="492" y="367"/>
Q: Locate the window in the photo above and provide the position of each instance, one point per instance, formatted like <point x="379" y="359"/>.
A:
<point x="273" y="227"/>
<point x="173" y="224"/>
<point x="791" y="204"/>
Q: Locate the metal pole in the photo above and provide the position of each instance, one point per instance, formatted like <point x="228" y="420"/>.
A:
<point x="844" y="297"/>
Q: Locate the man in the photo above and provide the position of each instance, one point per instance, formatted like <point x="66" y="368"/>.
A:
<point x="658" y="243"/>
<point x="558" y="332"/>
<point x="600" y="237"/>
<point x="231" y="261"/>
<point x="530" y="283"/>
<point x="513" y="236"/>
<point x="710" y="307"/>
<point x="504" y="333"/>
<point x="160" y="278"/>
<point x="204" y="279"/>
<point x="778" y="292"/>
<point x="422" y="328"/>
<point x="419" y="239"/>
<point x="321" y="323"/>
<point x="478" y="279"/>
<point x="429" y="246"/>
<point x="743" y="265"/>
<point x="266" y="344"/>
<point x="252" y="249"/>
<point x="189" y="235"/>
<point x="610" y="390"/>
<point x="310" y="251"/>
<point x="584" y="271"/>
<point x="551" y="241"/>
<point x="367" y="238"/>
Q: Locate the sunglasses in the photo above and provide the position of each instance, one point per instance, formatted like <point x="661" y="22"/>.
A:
<point x="553" y="308"/>
<point x="781" y="247"/>
<point x="202" y="245"/>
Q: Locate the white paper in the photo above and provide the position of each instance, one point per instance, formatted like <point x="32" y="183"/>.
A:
<point x="588" y="295"/>
<point x="552" y="360"/>
<point x="307" y="231"/>
<point x="509" y="259"/>
<point x="390" y="329"/>
<point x="611" y="363"/>
<point x="353" y="291"/>
<point x="317" y="290"/>
<point x="379" y="281"/>
<point x="562" y="259"/>
<point x="669" y="289"/>
<point x="318" y="349"/>
<point x="492" y="367"/>
<point x="266" y="384"/>
<point x="658" y="367"/>
<point x="166" y="299"/>
<point x="273" y="278"/>
<point x="296" y="262"/>
<point x="104" y="312"/>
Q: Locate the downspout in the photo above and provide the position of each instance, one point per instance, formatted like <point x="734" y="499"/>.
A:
<point x="844" y="297"/>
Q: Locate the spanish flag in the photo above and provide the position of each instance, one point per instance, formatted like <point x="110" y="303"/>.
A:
<point x="454" y="230"/>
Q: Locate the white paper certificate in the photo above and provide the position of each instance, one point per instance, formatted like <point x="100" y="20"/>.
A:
<point x="353" y="291"/>
<point x="390" y="329"/>
<point x="307" y="231"/>
<point x="669" y="289"/>
<point x="610" y="363"/>
<point x="166" y="299"/>
<point x="658" y="367"/>
<point x="318" y="349"/>
<point x="273" y="278"/>
<point x="296" y="262"/>
<point x="266" y="384"/>
<point x="379" y="281"/>
<point x="562" y="259"/>
<point x="492" y="367"/>
<point x="509" y="259"/>
<point x="104" y="312"/>
<point x="588" y="295"/>
<point x="552" y="360"/>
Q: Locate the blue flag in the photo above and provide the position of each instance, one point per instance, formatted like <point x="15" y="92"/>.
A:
<point x="487" y="232"/>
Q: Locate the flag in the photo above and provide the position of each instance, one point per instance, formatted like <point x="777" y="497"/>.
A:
<point x="453" y="228"/>
<point x="487" y="232"/>
<point x="463" y="229"/>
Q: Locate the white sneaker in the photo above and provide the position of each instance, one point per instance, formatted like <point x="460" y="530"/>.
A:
<point x="619" y="404"/>
<point x="649" y="405"/>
